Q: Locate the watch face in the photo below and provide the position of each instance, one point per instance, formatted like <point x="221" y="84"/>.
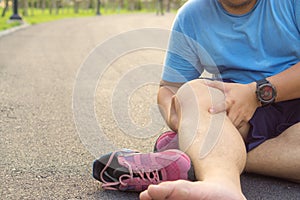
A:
<point x="266" y="92"/>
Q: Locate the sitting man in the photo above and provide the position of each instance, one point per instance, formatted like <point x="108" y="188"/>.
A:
<point x="245" y="119"/>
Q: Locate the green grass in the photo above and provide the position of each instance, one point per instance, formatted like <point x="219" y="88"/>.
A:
<point x="5" y="24"/>
<point x="36" y="16"/>
<point x="39" y="17"/>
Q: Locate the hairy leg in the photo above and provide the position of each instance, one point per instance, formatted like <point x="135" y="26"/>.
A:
<point x="212" y="142"/>
<point x="278" y="157"/>
<point x="214" y="145"/>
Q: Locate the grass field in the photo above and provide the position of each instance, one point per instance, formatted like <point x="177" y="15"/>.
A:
<point x="36" y="16"/>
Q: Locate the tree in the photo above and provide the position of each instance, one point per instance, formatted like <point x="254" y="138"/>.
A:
<point x="25" y="7"/>
<point x="5" y="8"/>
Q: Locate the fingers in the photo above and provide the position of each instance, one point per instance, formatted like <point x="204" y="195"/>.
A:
<point x="215" y="84"/>
<point x="226" y="106"/>
<point x="236" y="122"/>
<point x="220" y="107"/>
<point x="234" y="117"/>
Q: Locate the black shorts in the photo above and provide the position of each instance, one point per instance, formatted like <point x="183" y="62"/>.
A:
<point x="270" y="121"/>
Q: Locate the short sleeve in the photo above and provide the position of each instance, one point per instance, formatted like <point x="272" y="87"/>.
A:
<point x="181" y="62"/>
<point x="297" y="13"/>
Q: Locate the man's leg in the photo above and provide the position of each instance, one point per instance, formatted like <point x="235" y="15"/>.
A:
<point x="217" y="162"/>
<point x="279" y="157"/>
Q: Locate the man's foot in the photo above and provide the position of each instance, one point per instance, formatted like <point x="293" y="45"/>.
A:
<point x="131" y="171"/>
<point x="167" y="140"/>
<point x="185" y="190"/>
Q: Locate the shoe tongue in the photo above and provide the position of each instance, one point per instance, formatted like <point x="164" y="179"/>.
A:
<point x="109" y="174"/>
<point x="115" y="170"/>
<point x="120" y="171"/>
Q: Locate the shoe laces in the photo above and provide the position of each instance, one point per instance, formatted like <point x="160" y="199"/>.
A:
<point x="151" y="177"/>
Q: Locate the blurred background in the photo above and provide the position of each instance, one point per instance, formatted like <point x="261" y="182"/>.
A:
<point x="17" y="12"/>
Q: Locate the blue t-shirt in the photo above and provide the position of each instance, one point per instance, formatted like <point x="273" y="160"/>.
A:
<point x="242" y="48"/>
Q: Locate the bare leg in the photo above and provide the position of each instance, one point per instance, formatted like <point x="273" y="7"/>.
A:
<point x="279" y="157"/>
<point x="218" y="162"/>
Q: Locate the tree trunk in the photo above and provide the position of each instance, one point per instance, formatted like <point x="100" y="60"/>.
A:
<point x="121" y="4"/>
<point x="131" y="5"/>
<point x="31" y="7"/>
<point x="168" y="9"/>
<point x="25" y="7"/>
<point x="43" y="6"/>
<point x="76" y="6"/>
<point x="52" y="6"/>
<point x="5" y="8"/>
<point x="57" y="6"/>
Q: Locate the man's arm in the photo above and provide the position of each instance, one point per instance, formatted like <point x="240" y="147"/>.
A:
<point x="287" y="83"/>
<point x="164" y="99"/>
<point x="241" y="101"/>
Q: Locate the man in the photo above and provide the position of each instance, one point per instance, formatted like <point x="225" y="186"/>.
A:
<point x="251" y="41"/>
<point x="247" y="118"/>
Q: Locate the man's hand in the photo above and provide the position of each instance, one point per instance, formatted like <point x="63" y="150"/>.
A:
<point x="240" y="101"/>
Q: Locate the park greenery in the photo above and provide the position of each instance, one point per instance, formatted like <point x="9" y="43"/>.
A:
<point x="38" y="11"/>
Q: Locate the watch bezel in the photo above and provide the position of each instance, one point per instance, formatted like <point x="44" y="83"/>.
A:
<point x="260" y="85"/>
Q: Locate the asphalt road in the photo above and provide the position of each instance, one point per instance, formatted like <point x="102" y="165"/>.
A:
<point x="50" y="90"/>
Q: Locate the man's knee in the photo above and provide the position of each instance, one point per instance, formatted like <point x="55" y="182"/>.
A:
<point x="192" y="102"/>
<point x="198" y="91"/>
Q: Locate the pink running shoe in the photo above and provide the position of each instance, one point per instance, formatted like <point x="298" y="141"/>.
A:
<point x="167" y="140"/>
<point x="127" y="170"/>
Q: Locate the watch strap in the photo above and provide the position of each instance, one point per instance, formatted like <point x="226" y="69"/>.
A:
<point x="261" y="81"/>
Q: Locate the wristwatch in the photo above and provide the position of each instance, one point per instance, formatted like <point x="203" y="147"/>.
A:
<point x="265" y="92"/>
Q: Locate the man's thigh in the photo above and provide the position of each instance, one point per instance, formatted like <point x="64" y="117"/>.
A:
<point x="279" y="156"/>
